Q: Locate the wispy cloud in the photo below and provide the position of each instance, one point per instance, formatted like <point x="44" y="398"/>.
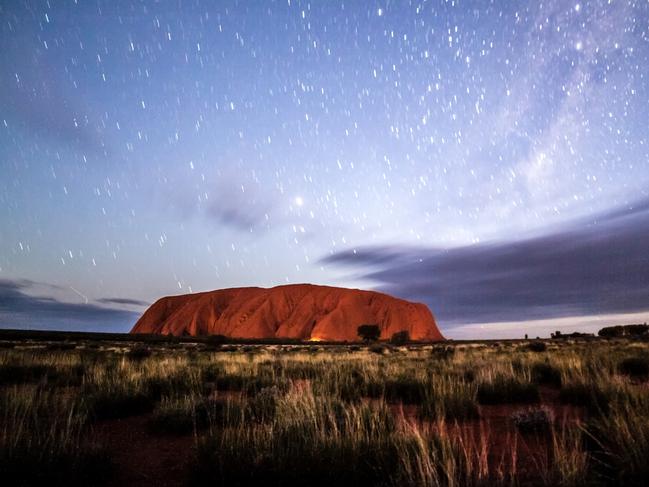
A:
<point x="595" y="266"/>
<point x="222" y="198"/>
<point x="240" y="205"/>
<point x="19" y="309"/>
<point x="122" y="301"/>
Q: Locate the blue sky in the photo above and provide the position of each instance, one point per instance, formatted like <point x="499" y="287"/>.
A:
<point x="433" y="150"/>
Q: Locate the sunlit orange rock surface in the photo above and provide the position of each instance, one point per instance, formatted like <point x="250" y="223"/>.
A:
<point x="301" y="311"/>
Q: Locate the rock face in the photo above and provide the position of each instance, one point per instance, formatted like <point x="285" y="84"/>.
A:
<point x="301" y="311"/>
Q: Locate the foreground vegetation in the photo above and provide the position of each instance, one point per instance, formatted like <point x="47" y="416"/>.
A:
<point x="563" y="412"/>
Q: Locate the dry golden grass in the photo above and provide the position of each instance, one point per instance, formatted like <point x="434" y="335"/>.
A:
<point x="433" y="415"/>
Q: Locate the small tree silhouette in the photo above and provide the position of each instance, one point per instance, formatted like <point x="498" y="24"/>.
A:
<point x="400" y="338"/>
<point x="369" y="333"/>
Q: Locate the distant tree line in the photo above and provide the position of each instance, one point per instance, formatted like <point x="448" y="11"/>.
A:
<point x="625" y="331"/>
<point x="575" y="334"/>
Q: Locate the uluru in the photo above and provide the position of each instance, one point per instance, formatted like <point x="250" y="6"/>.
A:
<point x="298" y="311"/>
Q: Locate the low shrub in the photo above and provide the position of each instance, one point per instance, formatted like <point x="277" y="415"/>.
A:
<point x="139" y="353"/>
<point x="62" y="346"/>
<point x="42" y="441"/>
<point x="545" y="374"/>
<point x="400" y="338"/>
<point x="506" y="390"/>
<point x="23" y="373"/>
<point x="595" y="399"/>
<point x="442" y="353"/>
<point x="455" y="402"/>
<point x="187" y="414"/>
<point x="407" y="390"/>
<point x="619" y="441"/>
<point x="230" y="382"/>
<point x="114" y="404"/>
<point x="262" y="407"/>
<point x="378" y="349"/>
<point x="211" y="372"/>
<point x="634" y="367"/>
<point x="533" y="420"/>
<point x="537" y="346"/>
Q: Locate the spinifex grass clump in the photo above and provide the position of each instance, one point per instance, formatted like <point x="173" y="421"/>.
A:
<point x="594" y="397"/>
<point x="533" y="420"/>
<point x="635" y="367"/>
<point x="619" y="440"/>
<point x="320" y="441"/>
<point x="22" y="373"/>
<point x="405" y="389"/>
<point x="507" y="390"/>
<point x="139" y="353"/>
<point x="191" y="414"/>
<point x="178" y="416"/>
<point x="544" y="373"/>
<point x="309" y="442"/>
<point x="537" y="346"/>
<point x="453" y="400"/>
<point x="43" y="440"/>
<point x="126" y="388"/>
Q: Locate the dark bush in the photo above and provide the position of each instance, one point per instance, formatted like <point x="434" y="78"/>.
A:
<point x="442" y="353"/>
<point x="453" y="407"/>
<point x="545" y="374"/>
<point x="23" y="374"/>
<point x="211" y="372"/>
<point x="62" y="346"/>
<point x="301" y="370"/>
<point x="216" y="340"/>
<point x="506" y="390"/>
<point x="184" y="416"/>
<point x="27" y="466"/>
<point x="262" y="407"/>
<point x="66" y="376"/>
<point x="407" y="390"/>
<point x="535" y="420"/>
<point x="469" y="376"/>
<point x="400" y="338"/>
<point x="113" y="405"/>
<point x="369" y="333"/>
<point x="378" y="349"/>
<point x="230" y="382"/>
<point x="635" y="367"/>
<point x="138" y="353"/>
<point x="173" y="384"/>
<point x="175" y="421"/>
<point x="589" y="396"/>
<point x="537" y="346"/>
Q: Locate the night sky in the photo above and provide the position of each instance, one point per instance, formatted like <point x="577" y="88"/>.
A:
<point x="488" y="159"/>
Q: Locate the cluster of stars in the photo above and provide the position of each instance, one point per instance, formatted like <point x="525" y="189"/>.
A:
<point x="238" y="144"/>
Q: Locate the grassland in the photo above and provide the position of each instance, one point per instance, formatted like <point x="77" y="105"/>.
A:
<point x="116" y="412"/>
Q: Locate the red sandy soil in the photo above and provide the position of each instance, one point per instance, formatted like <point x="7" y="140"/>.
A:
<point x="144" y="459"/>
<point x="299" y="311"/>
<point x="503" y="442"/>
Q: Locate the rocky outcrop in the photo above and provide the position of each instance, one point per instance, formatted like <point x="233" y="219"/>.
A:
<point x="301" y="311"/>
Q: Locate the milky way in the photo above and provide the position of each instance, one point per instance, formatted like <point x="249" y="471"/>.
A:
<point x="156" y="148"/>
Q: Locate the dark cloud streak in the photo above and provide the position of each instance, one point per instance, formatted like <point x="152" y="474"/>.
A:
<point x="18" y="309"/>
<point x="123" y="301"/>
<point x="597" y="266"/>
